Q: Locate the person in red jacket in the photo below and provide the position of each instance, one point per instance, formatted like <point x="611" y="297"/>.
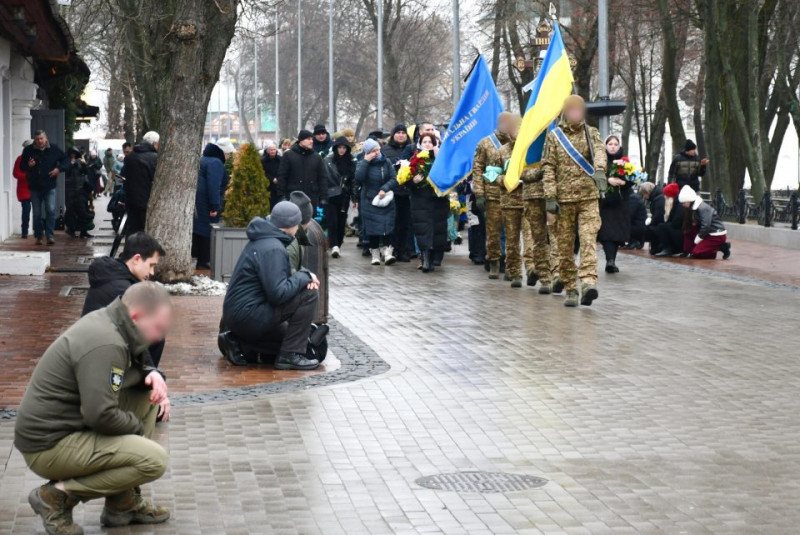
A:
<point x="23" y="191"/>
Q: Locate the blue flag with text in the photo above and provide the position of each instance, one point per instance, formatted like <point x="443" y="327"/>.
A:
<point x="475" y="118"/>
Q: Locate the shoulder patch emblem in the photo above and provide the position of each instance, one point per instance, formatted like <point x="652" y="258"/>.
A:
<point x="117" y="374"/>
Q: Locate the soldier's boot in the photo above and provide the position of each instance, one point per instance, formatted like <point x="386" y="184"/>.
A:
<point x="545" y="288"/>
<point x="516" y="281"/>
<point x="494" y="270"/>
<point x="572" y="298"/>
<point x="129" y="507"/>
<point x="532" y="278"/>
<point x="588" y="294"/>
<point x="558" y="285"/>
<point x="55" y="508"/>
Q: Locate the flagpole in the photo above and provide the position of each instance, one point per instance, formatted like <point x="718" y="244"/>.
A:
<point x="602" y="61"/>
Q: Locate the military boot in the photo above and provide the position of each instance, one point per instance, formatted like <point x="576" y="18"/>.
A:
<point x="558" y="285"/>
<point x="516" y="281"/>
<point x="588" y="294"/>
<point x="129" y="507"/>
<point x="532" y="278"/>
<point x="545" y="289"/>
<point x="55" y="508"/>
<point x="494" y="270"/>
<point x="572" y="298"/>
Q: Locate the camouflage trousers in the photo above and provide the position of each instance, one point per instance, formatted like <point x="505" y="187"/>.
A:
<point x="543" y="237"/>
<point x="585" y="216"/>
<point x="494" y="226"/>
<point x="498" y="218"/>
<point x="518" y="237"/>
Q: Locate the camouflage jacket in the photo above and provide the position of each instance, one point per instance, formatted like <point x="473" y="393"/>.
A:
<point x="532" y="185"/>
<point x="512" y="199"/>
<point x="487" y="155"/>
<point x="564" y="179"/>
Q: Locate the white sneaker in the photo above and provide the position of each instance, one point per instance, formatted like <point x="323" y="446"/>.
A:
<point x="335" y="252"/>
<point x="388" y="256"/>
<point x="376" y="257"/>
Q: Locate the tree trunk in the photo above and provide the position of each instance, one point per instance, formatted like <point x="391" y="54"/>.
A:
<point x="673" y="42"/>
<point x="177" y="49"/>
<point x="114" y="103"/>
<point x="497" y="34"/>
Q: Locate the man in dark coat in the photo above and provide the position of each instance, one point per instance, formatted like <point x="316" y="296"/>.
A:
<point x="271" y="162"/>
<point x="110" y="277"/>
<point x="394" y="151"/>
<point x="42" y="162"/>
<point x="653" y="195"/>
<point x="687" y="167"/>
<point x="211" y="183"/>
<point x="263" y="294"/>
<point x="322" y="140"/>
<point x="302" y="169"/>
<point x="140" y="168"/>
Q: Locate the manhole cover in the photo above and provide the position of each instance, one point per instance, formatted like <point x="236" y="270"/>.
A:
<point x="483" y="482"/>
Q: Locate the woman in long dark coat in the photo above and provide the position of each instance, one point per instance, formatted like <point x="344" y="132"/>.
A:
<point x="429" y="212"/>
<point x="341" y="174"/>
<point x="616" y="221"/>
<point x="376" y="177"/>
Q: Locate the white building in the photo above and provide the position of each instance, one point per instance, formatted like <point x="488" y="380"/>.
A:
<point x="36" y="50"/>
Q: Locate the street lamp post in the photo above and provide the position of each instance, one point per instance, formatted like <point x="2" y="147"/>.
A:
<point x="331" y="111"/>
<point x="380" y="63"/>
<point x="602" y="61"/>
<point x="299" y="66"/>
<point x="456" y="55"/>
<point x="256" y="126"/>
<point x="277" y="82"/>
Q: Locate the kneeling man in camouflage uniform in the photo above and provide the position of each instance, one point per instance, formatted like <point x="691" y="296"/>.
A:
<point x="89" y="411"/>
<point x="574" y="172"/>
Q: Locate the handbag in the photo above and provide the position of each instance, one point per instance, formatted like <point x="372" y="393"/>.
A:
<point x="386" y="201"/>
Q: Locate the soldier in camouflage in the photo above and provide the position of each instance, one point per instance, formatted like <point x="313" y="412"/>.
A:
<point x="571" y="192"/>
<point x="544" y="265"/>
<point x="512" y="212"/>
<point x="486" y="168"/>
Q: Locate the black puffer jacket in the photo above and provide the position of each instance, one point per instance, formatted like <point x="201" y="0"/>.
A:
<point x="656" y="204"/>
<point x="46" y="160"/>
<point x="140" y="168"/>
<point x="686" y="171"/>
<point x="108" y="279"/>
<point x="303" y="170"/>
<point x="261" y="280"/>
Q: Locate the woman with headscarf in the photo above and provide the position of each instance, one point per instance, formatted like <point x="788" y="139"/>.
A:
<point x="615" y="229"/>
<point x="341" y="173"/>
<point x="429" y="211"/>
<point x="376" y="177"/>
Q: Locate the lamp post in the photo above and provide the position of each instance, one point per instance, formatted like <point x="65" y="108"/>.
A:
<point x="256" y="125"/>
<point x="277" y="82"/>
<point x="299" y="65"/>
<point x="602" y="61"/>
<point x="456" y="55"/>
<point x="331" y="111"/>
<point x="380" y="63"/>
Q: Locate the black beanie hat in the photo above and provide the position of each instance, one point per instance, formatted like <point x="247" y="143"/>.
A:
<point x="320" y="129"/>
<point x="690" y="145"/>
<point x="304" y="134"/>
<point x="399" y="127"/>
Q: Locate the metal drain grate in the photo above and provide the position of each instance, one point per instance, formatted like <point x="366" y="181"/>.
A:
<point x="483" y="482"/>
<point x="100" y="243"/>
<point x="71" y="291"/>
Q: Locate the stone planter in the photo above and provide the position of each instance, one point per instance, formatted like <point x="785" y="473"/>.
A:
<point x="227" y="243"/>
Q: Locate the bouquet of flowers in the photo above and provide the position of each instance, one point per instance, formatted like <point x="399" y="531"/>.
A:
<point x="623" y="169"/>
<point x="419" y="164"/>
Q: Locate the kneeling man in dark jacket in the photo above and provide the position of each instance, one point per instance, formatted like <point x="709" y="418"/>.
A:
<point x="263" y="294"/>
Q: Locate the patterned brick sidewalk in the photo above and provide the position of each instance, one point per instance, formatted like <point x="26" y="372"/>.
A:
<point x="667" y="407"/>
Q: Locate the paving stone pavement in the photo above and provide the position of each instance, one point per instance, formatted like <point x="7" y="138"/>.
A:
<point x="669" y="406"/>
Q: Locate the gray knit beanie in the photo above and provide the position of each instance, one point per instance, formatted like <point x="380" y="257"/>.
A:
<point x="285" y="214"/>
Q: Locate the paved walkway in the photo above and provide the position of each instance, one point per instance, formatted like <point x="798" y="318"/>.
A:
<point x="667" y="407"/>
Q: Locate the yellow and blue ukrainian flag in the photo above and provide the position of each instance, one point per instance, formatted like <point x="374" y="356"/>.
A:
<point x="551" y="87"/>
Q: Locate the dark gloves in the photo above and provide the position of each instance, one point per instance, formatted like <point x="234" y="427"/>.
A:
<point x="480" y="203"/>
<point x="552" y="207"/>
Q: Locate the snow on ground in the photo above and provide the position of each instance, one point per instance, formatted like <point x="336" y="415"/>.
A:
<point x="198" y="285"/>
